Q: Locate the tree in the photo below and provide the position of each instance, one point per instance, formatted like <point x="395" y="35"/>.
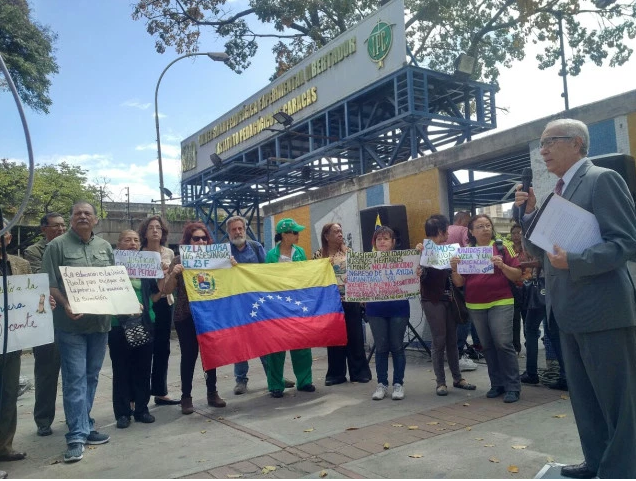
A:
<point x="27" y="50"/>
<point x="496" y="32"/>
<point x="55" y="189"/>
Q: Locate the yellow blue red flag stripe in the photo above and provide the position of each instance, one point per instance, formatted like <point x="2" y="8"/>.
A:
<point x="255" y="309"/>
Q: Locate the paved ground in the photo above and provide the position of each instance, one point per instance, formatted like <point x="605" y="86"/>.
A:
<point x="336" y="432"/>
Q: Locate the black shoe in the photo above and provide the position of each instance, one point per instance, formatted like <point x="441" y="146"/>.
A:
<point x="123" y="422"/>
<point x="511" y="396"/>
<point x="288" y="383"/>
<point x="495" y="391"/>
<point x="146" y="418"/>
<point x="361" y="379"/>
<point x="276" y="393"/>
<point x="528" y="379"/>
<point x="166" y="402"/>
<point x="578" y="471"/>
<point x="44" y="431"/>
<point x="307" y="388"/>
<point x="561" y="385"/>
<point x="335" y="380"/>
<point x="12" y="456"/>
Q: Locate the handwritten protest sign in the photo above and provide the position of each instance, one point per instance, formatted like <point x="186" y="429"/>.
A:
<point x="213" y="256"/>
<point x="99" y="290"/>
<point x="29" y="312"/>
<point x="140" y="264"/>
<point x="436" y="256"/>
<point x="475" y="260"/>
<point x="381" y="275"/>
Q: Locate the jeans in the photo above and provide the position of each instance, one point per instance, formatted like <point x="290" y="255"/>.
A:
<point x="494" y="326"/>
<point x="388" y="335"/>
<point x="444" y="333"/>
<point x="241" y="368"/>
<point x="462" y="335"/>
<point x="81" y="357"/>
<point x="532" y="322"/>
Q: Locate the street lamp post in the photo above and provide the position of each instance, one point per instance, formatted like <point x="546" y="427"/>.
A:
<point x="216" y="56"/>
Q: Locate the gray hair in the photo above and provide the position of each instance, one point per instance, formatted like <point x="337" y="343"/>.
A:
<point x="573" y="128"/>
<point x="236" y="218"/>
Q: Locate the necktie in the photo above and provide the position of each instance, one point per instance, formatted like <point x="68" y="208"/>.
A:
<point x="558" y="189"/>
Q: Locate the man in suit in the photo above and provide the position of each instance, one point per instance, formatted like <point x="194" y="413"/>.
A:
<point x="591" y="298"/>
<point x="10" y="375"/>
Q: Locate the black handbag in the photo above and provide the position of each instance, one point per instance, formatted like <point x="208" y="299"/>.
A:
<point x="459" y="311"/>
<point x="534" y="293"/>
<point x="136" y="331"/>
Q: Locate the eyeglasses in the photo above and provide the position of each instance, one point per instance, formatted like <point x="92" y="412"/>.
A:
<point x="197" y="238"/>
<point x="482" y="227"/>
<point x="291" y="232"/>
<point x="56" y="226"/>
<point x="549" y="141"/>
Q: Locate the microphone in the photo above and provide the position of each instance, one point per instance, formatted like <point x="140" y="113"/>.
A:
<point x="526" y="180"/>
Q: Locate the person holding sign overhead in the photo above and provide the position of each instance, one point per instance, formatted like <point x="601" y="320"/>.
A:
<point x="436" y="298"/>
<point x="194" y="233"/>
<point x="131" y="364"/>
<point x="287" y="251"/>
<point x="491" y="305"/>
<point x="81" y="338"/>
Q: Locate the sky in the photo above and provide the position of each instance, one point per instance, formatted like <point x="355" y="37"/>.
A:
<point x="102" y="117"/>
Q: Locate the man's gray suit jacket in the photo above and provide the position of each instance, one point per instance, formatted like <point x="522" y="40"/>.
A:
<point x="596" y="293"/>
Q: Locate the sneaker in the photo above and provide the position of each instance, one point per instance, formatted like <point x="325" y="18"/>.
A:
<point x="74" y="452"/>
<point x="398" y="392"/>
<point x="511" y="397"/>
<point x="240" y="388"/>
<point x="97" y="438"/>
<point x="380" y="392"/>
<point x="466" y="364"/>
<point x="495" y="391"/>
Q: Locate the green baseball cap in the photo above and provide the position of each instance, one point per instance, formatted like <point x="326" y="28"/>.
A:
<point x="288" y="225"/>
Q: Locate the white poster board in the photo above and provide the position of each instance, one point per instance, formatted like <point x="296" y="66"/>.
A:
<point x="212" y="256"/>
<point x="475" y="260"/>
<point x="99" y="290"/>
<point x="381" y="276"/>
<point x="140" y="264"/>
<point x="437" y="256"/>
<point x="29" y="312"/>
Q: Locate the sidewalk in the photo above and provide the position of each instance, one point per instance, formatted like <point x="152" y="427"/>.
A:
<point x="336" y="432"/>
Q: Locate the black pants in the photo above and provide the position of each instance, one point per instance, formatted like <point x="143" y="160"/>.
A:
<point x="46" y="372"/>
<point x="161" y="348"/>
<point x="131" y="374"/>
<point x="353" y="353"/>
<point x="189" y="353"/>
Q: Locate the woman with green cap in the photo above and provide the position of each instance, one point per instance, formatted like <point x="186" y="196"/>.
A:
<point x="287" y="251"/>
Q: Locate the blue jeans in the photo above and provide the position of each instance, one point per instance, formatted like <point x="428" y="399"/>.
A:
<point x="241" y="368"/>
<point x="388" y="336"/>
<point x="494" y="326"/>
<point x="532" y="322"/>
<point x="81" y="357"/>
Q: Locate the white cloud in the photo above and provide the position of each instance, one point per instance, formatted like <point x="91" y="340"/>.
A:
<point x="167" y="150"/>
<point x="135" y="103"/>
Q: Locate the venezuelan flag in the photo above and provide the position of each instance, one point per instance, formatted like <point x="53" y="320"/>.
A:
<point x="251" y="310"/>
<point x="378" y="223"/>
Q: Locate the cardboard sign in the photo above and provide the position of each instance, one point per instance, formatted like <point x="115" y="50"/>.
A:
<point x="212" y="256"/>
<point x="99" y="290"/>
<point x="437" y="257"/>
<point x="140" y="264"/>
<point x="475" y="260"/>
<point x="29" y="312"/>
<point x="381" y="275"/>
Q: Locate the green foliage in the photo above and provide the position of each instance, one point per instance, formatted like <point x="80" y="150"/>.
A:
<point x="496" y="32"/>
<point x="55" y="189"/>
<point x="175" y="213"/>
<point x="27" y="50"/>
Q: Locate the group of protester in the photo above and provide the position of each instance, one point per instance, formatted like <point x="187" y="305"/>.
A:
<point x="589" y="300"/>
